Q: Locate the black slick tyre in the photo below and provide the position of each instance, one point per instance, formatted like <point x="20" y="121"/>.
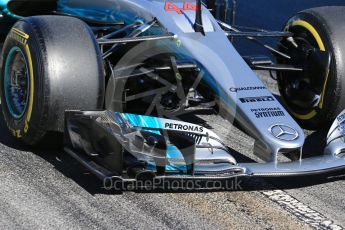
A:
<point x="49" y="64"/>
<point x="315" y="96"/>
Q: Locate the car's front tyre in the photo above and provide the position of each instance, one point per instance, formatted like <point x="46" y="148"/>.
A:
<point x="315" y="96"/>
<point x="49" y="64"/>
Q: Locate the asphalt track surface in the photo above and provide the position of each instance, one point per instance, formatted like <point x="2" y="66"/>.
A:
<point x="46" y="189"/>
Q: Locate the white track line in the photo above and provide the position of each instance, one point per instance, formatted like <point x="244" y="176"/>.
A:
<point x="301" y="211"/>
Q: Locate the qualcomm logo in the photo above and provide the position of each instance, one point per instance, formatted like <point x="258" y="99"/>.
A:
<point x="284" y="132"/>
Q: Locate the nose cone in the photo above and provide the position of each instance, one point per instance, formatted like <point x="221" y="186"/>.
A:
<point x="285" y="137"/>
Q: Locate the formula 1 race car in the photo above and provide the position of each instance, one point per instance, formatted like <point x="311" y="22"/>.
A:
<point x="116" y="76"/>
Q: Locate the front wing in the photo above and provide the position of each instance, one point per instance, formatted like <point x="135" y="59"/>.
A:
<point x="130" y="147"/>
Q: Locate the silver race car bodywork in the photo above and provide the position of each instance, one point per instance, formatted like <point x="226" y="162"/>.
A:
<point x="239" y="91"/>
<point x="175" y="149"/>
<point x="232" y="79"/>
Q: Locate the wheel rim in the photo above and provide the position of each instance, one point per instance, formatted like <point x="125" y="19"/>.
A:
<point x="302" y="93"/>
<point x="301" y="84"/>
<point x="16" y="83"/>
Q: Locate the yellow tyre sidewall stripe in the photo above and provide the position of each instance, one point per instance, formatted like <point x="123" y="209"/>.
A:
<point x="23" y="38"/>
<point x="31" y="97"/>
<point x="312" y="30"/>
<point x="321" y="46"/>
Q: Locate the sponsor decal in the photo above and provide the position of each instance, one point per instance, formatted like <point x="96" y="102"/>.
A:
<point x="184" y="127"/>
<point x="268" y="112"/>
<point x="172" y="7"/>
<point x="19" y="36"/>
<point x="341" y="118"/>
<point x="256" y="99"/>
<point x="284" y="132"/>
<point x="249" y="88"/>
<point x="341" y="123"/>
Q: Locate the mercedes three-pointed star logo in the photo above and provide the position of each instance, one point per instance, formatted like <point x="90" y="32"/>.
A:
<point x="284" y="132"/>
